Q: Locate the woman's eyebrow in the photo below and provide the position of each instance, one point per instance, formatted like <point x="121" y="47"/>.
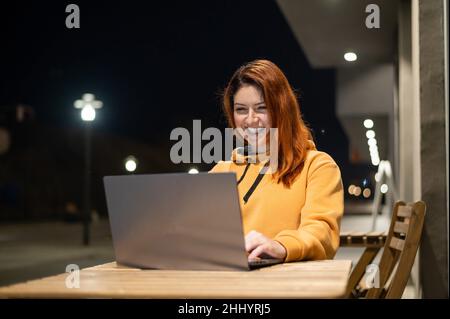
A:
<point x="259" y="103"/>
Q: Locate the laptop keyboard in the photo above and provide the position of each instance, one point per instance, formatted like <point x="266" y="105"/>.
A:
<point x="258" y="263"/>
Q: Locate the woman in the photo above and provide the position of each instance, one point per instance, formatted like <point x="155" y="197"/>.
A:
<point x="293" y="213"/>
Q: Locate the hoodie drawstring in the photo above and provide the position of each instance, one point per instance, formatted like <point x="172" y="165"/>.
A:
<point x="243" y="174"/>
<point x="255" y="183"/>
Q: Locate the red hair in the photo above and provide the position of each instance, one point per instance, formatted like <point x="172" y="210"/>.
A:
<point x="284" y="111"/>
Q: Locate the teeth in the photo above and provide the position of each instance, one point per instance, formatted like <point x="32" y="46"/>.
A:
<point x="255" y="130"/>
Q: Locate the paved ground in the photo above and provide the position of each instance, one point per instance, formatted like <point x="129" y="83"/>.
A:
<point x="34" y="250"/>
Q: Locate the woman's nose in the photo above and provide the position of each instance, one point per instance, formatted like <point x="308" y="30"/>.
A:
<point x="252" y="118"/>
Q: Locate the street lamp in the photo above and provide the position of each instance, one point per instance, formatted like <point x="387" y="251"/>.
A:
<point x="193" y="171"/>
<point x="131" y="163"/>
<point x="87" y="104"/>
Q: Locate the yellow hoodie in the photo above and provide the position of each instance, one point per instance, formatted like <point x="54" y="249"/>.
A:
<point x="305" y="218"/>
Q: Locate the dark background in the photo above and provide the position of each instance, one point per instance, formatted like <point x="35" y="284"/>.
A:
<point x="156" y="66"/>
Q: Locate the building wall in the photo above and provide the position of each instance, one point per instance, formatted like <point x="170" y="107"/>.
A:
<point x="408" y="128"/>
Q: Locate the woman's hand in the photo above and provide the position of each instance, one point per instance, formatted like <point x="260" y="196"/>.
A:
<point x="260" y="246"/>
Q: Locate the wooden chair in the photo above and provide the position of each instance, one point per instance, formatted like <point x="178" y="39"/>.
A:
<point x="373" y="242"/>
<point x="400" y="248"/>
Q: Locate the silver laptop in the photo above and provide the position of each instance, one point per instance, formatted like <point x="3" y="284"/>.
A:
<point x="178" y="221"/>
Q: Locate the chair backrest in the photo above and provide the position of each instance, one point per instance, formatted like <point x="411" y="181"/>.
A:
<point x="400" y="250"/>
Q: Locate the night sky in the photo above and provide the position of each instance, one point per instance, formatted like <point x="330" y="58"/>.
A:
<point x="156" y="65"/>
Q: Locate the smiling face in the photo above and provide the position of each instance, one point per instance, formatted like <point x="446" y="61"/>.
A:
<point x="250" y="114"/>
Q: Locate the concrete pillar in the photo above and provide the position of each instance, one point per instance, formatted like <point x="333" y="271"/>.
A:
<point x="431" y="18"/>
<point x="422" y="136"/>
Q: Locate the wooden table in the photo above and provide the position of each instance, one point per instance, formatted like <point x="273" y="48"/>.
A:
<point x="312" y="279"/>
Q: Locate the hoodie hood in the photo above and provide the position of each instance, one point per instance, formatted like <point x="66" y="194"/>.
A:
<point x="246" y="154"/>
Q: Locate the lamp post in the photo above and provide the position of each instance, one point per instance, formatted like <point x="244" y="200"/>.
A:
<point x="87" y="104"/>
